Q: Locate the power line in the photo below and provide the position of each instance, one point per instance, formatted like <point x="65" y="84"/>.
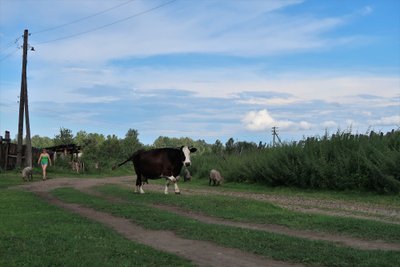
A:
<point x="110" y="24"/>
<point x="8" y="55"/>
<point x="82" y="19"/>
<point x="10" y="44"/>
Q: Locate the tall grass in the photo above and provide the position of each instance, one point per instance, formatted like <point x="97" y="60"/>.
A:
<point x="340" y="162"/>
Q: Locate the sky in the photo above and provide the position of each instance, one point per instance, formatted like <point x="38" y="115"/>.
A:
<point x="209" y="70"/>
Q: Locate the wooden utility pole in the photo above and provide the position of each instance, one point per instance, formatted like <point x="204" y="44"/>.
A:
<point x="23" y="104"/>
<point x="275" y="134"/>
<point x="28" y="144"/>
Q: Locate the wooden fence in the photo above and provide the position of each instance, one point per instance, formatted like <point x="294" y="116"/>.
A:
<point x="8" y="155"/>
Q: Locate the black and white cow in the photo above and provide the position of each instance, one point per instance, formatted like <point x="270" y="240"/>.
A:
<point x="159" y="163"/>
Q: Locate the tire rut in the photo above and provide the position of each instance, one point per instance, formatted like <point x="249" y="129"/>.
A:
<point x="327" y="207"/>
<point x="87" y="184"/>
<point x="272" y="228"/>
<point x="201" y="253"/>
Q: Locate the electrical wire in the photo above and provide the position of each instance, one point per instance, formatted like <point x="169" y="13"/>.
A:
<point x="82" y="19"/>
<point x="110" y="24"/>
<point x="8" y="55"/>
<point x="10" y="45"/>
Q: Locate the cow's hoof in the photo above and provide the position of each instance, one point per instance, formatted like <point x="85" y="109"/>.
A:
<point x="177" y="193"/>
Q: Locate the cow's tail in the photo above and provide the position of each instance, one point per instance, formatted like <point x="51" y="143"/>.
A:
<point x="129" y="159"/>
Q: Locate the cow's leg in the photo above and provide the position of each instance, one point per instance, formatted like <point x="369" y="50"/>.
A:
<point x="177" y="191"/>
<point x="139" y="184"/>
<point x="174" y="180"/>
<point x="166" y="186"/>
<point x="141" y="189"/>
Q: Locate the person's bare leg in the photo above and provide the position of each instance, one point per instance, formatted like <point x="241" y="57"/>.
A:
<point x="44" y="172"/>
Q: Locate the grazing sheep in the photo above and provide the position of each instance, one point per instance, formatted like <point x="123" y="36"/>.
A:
<point x="27" y="174"/>
<point x="215" y="177"/>
<point x="187" y="177"/>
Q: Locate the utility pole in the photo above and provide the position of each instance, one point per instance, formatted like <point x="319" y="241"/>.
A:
<point x="275" y="134"/>
<point x="23" y="105"/>
<point x="28" y="148"/>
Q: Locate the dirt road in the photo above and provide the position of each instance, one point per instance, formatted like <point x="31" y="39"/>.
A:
<point x="206" y="253"/>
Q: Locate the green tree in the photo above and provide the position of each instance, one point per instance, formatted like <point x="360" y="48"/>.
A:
<point x="41" y="142"/>
<point x="230" y="146"/>
<point x="65" y="137"/>
<point x="110" y="151"/>
<point x="217" y="148"/>
<point x="131" y="143"/>
<point x="164" y="141"/>
<point x="243" y="146"/>
<point x="90" y="145"/>
<point x="80" y="138"/>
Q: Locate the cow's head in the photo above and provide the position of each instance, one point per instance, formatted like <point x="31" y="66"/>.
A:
<point x="186" y="154"/>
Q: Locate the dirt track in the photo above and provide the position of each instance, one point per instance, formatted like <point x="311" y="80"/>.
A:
<point x="206" y="253"/>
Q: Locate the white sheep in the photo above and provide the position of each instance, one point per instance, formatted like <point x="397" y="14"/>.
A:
<point x="27" y="174"/>
<point x="215" y="177"/>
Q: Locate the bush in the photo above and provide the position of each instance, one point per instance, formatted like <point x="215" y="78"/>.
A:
<point x="340" y="162"/>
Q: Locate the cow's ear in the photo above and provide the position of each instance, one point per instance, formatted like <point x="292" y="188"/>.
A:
<point x="192" y="149"/>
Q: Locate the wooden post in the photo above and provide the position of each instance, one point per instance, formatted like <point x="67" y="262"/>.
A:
<point x="28" y="148"/>
<point x="22" y="100"/>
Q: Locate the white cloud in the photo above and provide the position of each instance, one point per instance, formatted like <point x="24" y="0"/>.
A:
<point x="304" y="125"/>
<point x="226" y="82"/>
<point x="207" y="27"/>
<point x="258" y="120"/>
<point x="102" y="69"/>
<point x="273" y="101"/>
<point x="261" y="120"/>
<point x="393" y="121"/>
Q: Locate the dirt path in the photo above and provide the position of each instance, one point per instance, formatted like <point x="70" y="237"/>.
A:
<point x="329" y="207"/>
<point x="374" y="212"/>
<point x="200" y="252"/>
<point x="273" y="228"/>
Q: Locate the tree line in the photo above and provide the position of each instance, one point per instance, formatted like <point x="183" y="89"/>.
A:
<point x="342" y="161"/>
<point x="107" y="149"/>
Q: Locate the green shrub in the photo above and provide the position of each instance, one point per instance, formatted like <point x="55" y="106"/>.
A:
<point x="340" y="162"/>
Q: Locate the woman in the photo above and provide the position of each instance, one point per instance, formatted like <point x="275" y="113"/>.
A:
<point x="44" y="160"/>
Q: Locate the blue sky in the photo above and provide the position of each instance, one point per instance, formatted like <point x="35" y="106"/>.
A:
<point x="211" y="69"/>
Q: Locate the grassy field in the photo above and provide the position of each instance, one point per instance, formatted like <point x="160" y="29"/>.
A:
<point x="35" y="233"/>
<point x="238" y="209"/>
<point x="276" y="246"/>
<point x="355" y="196"/>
